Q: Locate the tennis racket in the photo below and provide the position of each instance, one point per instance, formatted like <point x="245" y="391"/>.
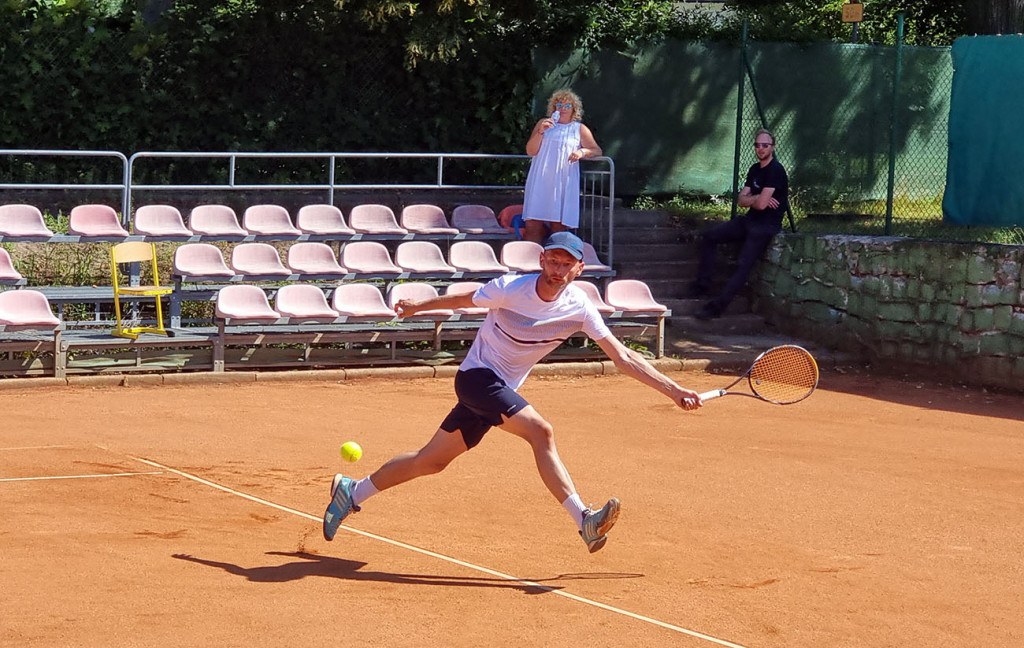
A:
<point x="782" y="375"/>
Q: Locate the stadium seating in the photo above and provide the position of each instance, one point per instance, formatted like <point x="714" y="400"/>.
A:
<point x="200" y="260"/>
<point x="368" y="257"/>
<point x="633" y="296"/>
<point x="421" y="257"/>
<point x="314" y="259"/>
<point x="99" y="221"/>
<point x="257" y="259"/>
<point x="24" y="221"/>
<point x="474" y="256"/>
<point x="591" y="262"/>
<point x="360" y="300"/>
<point x="268" y="220"/>
<point x="8" y="274"/>
<point x="159" y="220"/>
<point x="26" y="309"/>
<point x="374" y="219"/>
<point x="521" y="256"/>
<point x="244" y="304"/>
<point x="476" y="219"/>
<point x="426" y="219"/>
<point x="215" y="220"/>
<point x="594" y="293"/>
<point x="322" y="219"/>
<point x="304" y="302"/>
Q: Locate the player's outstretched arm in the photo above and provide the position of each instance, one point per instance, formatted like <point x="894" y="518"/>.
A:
<point x="634" y="365"/>
<point x="409" y="307"/>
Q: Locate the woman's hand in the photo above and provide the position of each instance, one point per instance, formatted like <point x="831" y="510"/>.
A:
<point x="578" y="155"/>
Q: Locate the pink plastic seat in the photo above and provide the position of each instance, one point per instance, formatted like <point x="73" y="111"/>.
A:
<point x="200" y="260"/>
<point x="595" y="296"/>
<point x="374" y="219"/>
<point x="416" y="290"/>
<point x="421" y="256"/>
<point x="426" y="219"/>
<point x="633" y="296"/>
<point x="214" y="220"/>
<point x="22" y="220"/>
<point x="7" y="271"/>
<point x="476" y="219"/>
<point x="244" y="304"/>
<point x="474" y="256"/>
<point x="368" y="257"/>
<point x="257" y="259"/>
<point x="314" y="259"/>
<point x="522" y="256"/>
<point x="26" y="309"/>
<point x="591" y="262"/>
<point x="268" y="220"/>
<point x="160" y="220"/>
<point x="461" y="288"/>
<point x="304" y="302"/>
<point x="322" y="219"/>
<point x="95" y="220"/>
<point x="360" y="300"/>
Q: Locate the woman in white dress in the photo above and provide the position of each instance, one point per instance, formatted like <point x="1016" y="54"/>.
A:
<point x="557" y="143"/>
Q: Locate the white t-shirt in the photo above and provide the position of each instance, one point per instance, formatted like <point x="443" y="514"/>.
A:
<point x="521" y="328"/>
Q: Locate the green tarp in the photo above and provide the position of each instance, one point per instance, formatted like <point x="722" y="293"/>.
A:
<point x="985" y="173"/>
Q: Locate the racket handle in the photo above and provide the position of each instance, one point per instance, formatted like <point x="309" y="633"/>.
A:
<point x="706" y="396"/>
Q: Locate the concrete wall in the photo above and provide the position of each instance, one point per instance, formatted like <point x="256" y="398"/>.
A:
<point x="954" y="306"/>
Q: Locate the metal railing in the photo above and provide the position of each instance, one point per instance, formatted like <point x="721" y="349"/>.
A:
<point x="123" y="187"/>
<point x="597" y="179"/>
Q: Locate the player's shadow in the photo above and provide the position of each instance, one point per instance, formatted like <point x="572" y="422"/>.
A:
<point x="330" y="567"/>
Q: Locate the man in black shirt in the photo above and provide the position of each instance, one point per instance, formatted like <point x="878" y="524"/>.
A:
<point x="766" y="194"/>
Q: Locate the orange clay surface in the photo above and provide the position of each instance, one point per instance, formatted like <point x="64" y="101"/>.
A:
<point x="880" y="512"/>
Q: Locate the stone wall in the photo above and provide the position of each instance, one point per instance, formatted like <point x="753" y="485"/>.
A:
<point x="958" y="307"/>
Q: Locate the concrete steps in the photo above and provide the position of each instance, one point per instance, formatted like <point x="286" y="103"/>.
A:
<point x="652" y="247"/>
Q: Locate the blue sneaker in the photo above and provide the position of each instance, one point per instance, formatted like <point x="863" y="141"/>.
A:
<point x="597" y="524"/>
<point x="341" y="505"/>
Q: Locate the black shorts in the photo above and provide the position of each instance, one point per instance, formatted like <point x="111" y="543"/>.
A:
<point x="484" y="401"/>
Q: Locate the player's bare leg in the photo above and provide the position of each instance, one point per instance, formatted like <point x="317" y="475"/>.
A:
<point x="535" y="230"/>
<point x="594" y="525"/>
<point x="529" y="425"/>
<point x="432" y="458"/>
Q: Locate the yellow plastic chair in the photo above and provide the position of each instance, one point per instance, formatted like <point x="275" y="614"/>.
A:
<point x="137" y="252"/>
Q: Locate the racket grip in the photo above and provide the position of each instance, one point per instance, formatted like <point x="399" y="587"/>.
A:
<point x="706" y="396"/>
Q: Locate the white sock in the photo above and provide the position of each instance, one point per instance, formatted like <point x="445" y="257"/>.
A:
<point x="574" y="505"/>
<point x="363" y="490"/>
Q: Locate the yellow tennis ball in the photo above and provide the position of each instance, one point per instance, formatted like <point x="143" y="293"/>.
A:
<point x="351" y="451"/>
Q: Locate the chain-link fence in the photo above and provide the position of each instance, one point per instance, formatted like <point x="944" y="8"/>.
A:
<point x="861" y="129"/>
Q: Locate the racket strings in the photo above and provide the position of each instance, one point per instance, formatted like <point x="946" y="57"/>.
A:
<point x="784" y="374"/>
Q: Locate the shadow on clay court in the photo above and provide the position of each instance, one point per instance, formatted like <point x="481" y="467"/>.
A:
<point x="326" y="566"/>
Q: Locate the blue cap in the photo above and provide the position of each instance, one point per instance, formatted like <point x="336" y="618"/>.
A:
<point x="565" y="241"/>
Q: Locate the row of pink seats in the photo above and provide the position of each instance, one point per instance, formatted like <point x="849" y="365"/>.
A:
<point x="199" y="260"/>
<point x="308" y="303"/>
<point x="269" y="220"/>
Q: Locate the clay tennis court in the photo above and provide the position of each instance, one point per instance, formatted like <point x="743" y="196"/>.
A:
<point x="880" y="512"/>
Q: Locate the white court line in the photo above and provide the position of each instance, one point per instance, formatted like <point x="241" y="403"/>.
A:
<point x="128" y="474"/>
<point x="455" y="561"/>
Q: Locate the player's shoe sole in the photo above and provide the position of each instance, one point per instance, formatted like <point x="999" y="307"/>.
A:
<point x="597" y="524"/>
<point x="339" y="508"/>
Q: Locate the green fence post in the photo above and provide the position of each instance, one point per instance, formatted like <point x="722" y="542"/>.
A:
<point x="892" y="124"/>
<point x="739" y="120"/>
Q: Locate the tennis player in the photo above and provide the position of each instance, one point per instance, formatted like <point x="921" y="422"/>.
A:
<point x="529" y="316"/>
